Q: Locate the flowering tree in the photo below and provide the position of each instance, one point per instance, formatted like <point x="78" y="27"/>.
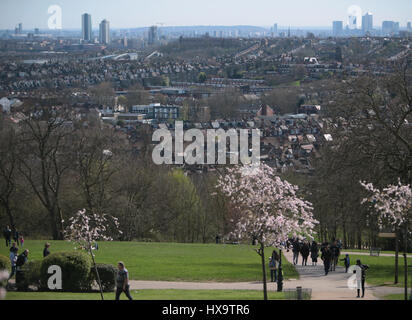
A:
<point x="394" y="207"/>
<point x="267" y="208"/>
<point x="85" y="229"/>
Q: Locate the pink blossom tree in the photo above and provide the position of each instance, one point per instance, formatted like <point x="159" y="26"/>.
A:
<point x="268" y="209"/>
<point x="393" y="205"/>
<point x="87" y="228"/>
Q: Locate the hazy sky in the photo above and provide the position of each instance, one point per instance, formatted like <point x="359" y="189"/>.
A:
<point x="141" y="13"/>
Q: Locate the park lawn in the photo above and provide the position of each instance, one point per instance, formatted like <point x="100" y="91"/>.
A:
<point x="151" y="295"/>
<point x="395" y="297"/>
<point x="381" y="269"/>
<point x="368" y="251"/>
<point x="173" y="261"/>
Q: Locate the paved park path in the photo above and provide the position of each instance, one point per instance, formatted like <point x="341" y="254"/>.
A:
<point x="331" y="287"/>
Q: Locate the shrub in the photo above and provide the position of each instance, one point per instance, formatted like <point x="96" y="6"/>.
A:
<point x="30" y="275"/>
<point x="75" y="268"/>
<point x="5" y="263"/>
<point x="107" y="274"/>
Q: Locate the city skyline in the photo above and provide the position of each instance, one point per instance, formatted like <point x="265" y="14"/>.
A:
<point x="186" y="13"/>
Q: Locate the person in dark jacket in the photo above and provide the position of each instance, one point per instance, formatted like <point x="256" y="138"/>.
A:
<point x="273" y="266"/>
<point x="305" y="251"/>
<point x="46" y="250"/>
<point x="314" y="253"/>
<point x="16" y="236"/>
<point x="326" y="257"/>
<point x="122" y="281"/>
<point x="296" y="251"/>
<point x="7" y="235"/>
<point x="360" y="277"/>
<point x="346" y="262"/>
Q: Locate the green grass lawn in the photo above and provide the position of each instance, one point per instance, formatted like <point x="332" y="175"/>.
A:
<point x="150" y="295"/>
<point x="395" y="297"/>
<point x="368" y="251"/>
<point x="174" y="262"/>
<point x="381" y="269"/>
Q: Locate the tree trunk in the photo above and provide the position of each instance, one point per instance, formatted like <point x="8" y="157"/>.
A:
<point x="97" y="272"/>
<point x="406" y="260"/>
<point x="265" y="289"/>
<point x="397" y="258"/>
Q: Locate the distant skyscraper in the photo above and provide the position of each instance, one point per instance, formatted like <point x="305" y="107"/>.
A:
<point x="390" y="28"/>
<point x="275" y="29"/>
<point x="152" y="35"/>
<point x="337" y="28"/>
<point x="86" y="27"/>
<point x="409" y="27"/>
<point x="104" y="32"/>
<point x="367" y="23"/>
<point x="20" y="28"/>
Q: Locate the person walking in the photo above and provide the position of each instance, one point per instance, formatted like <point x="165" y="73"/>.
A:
<point x="346" y="262"/>
<point x="326" y="257"/>
<point x="360" y="271"/>
<point x="21" y="261"/>
<point x="46" y="250"/>
<point x="7" y="235"/>
<point x="305" y="251"/>
<point x="16" y="236"/>
<point x="314" y="253"/>
<point x="13" y="259"/>
<point x="295" y="250"/>
<point x="273" y="266"/>
<point x="21" y="239"/>
<point x="122" y="281"/>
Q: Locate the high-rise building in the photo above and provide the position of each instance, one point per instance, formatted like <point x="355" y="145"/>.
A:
<point x="86" y="27"/>
<point x="367" y="23"/>
<point x="152" y="35"/>
<point x="275" y="30"/>
<point x="409" y="27"/>
<point x="390" y="28"/>
<point x="337" y="28"/>
<point x="20" y="28"/>
<point x="104" y="32"/>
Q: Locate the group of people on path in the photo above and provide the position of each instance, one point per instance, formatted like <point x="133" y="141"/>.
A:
<point x="305" y="249"/>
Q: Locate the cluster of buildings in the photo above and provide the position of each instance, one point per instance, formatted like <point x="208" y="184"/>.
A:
<point x="389" y="28"/>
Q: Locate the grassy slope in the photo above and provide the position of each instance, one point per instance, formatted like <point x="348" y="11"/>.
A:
<point x="381" y="269"/>
<point x="174" y="262"/>
<point x="150" y="295"/>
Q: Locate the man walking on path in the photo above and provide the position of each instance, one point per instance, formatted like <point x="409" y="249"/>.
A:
<point x="360" y="277"/>
<point x="122" y="282"/>
<point x="7" y="235"/>
<point x="296" y="251"/>
<point x="326" y="257"/>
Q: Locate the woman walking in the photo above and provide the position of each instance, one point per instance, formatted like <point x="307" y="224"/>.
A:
<point x="314" y="253"/>
<point x="273" y="266"/>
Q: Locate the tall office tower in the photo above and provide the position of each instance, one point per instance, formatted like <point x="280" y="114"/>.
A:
<point x="409" y="27"/>
<point x="20" y="28"/>
<point x="36" y="31"/>
<point x="86" y="27"/>
<point x="337" y="28"/>
<point x="275" y="29"/>
<point x="390" y="28"/>
<point x="367" y="23"/>
<point x="104" y="32"/>
<point x="152" y="35"/>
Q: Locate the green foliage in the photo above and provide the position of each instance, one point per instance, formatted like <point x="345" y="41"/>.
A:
<point x="107" y="274"/>
<point x="202" y="77"/>
<point x="31" y="275"/>
<point x="4" y="263"/>
<point x="75" y="270"/>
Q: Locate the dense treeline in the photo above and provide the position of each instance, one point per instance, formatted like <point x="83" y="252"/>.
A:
<point x="52" y="165"/>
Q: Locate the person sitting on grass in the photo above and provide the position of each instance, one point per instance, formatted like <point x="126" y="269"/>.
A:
<point x="346" y="262"/>
<point x="122" y="281"/>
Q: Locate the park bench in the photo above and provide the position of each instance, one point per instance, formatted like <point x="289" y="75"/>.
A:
<point x="375" y="252"/>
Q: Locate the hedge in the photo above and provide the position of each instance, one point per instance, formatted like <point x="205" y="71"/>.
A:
<point x="75" y="270"/>
<point x="107" y="274"/>
<point x="5" y="263"/>
<point x="31" y="272"/>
